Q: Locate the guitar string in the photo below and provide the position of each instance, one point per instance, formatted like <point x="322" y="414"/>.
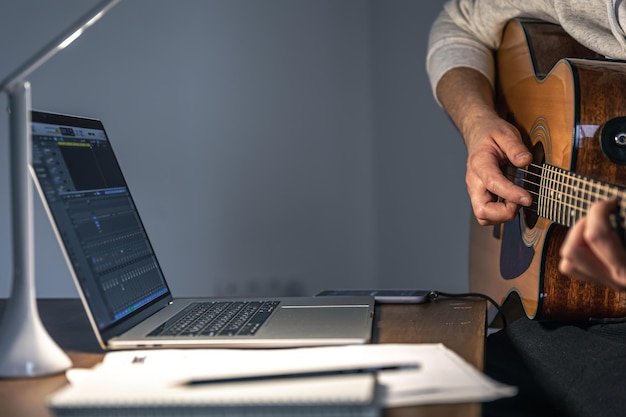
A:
<point x="573" y="198"/>
<point x="582" y="180"/>
<point x="609" y="191"/>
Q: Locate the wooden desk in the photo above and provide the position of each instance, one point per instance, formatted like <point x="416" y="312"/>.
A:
<point x="459" y="324"/>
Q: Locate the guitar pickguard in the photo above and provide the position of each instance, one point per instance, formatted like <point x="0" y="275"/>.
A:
<point x="515" y="257"/>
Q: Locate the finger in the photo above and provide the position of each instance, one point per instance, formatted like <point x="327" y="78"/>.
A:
<point x="488" y="209"/>
<point x="603" y="240"/>
<point x="573" y="240"/>
<point x="578" y="261"/>
<point x="509" y="140"/>
<point x="493" y="212"/>
<point x="594" y="262"/>
<point x="485" y="173"/>
<point x="494" y="197"/>
<point x="582" y="271"/>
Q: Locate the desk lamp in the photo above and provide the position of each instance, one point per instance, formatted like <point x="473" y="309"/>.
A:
<point x="26" y="348"/>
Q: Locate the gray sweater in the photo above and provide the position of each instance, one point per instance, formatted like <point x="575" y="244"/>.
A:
<point x="468" y="31"/>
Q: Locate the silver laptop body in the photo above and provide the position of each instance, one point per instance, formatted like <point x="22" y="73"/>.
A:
<point x="118" y="277"/>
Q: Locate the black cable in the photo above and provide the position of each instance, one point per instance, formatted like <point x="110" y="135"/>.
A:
<point x="433" y="295"/>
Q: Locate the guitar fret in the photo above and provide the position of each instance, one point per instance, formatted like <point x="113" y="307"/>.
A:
<point x="584" y="199"/>
<point x="575" y="212"/>
<point x="541" y="200"/>
<point x="555" y="196"/>
<point x="593" y="197"/>
<point x="569" y="200"/>
<point x="552" y="195"/>
<point x="549" y="192"/>
<point x="602" y="194"/>
<point x="560" y="199"/>
<point x="578" y="207"/>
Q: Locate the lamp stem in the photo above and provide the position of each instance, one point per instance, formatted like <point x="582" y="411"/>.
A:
<point x="26" y="348"/>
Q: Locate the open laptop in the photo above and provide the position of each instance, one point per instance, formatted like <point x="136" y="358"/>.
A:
<point x="122" y="287"/>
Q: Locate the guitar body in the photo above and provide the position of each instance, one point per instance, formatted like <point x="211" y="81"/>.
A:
<point x="560" y="107"/>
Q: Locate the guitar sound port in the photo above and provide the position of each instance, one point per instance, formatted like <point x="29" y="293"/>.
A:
<point x="613" y="140"/>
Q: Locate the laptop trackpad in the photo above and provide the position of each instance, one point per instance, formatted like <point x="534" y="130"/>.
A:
<point x="312" y="321"/>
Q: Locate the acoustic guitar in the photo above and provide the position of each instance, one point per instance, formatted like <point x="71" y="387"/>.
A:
<point x="570" y="106"/>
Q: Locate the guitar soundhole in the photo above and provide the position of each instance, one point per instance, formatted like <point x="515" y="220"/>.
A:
<point x="531" y="184"/>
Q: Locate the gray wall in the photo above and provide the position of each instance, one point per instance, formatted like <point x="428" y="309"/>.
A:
<point x="273" y="147"/>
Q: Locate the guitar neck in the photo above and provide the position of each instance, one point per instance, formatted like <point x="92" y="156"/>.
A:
<point x="564" y="197"/>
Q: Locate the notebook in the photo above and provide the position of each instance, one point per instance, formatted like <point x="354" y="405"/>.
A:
<point x="117" y="274"/>
<point x="337" y="396"/>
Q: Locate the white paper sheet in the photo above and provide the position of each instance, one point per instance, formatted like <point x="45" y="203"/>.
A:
<point x="441" y="377"/>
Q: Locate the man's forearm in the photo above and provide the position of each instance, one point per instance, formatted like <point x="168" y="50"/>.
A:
<point x="466" y="95"/>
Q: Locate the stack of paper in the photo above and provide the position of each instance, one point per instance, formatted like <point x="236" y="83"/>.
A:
<point x="154" y="382"/>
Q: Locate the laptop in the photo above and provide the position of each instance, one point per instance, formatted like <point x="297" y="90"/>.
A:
<point x="117" y="274"/>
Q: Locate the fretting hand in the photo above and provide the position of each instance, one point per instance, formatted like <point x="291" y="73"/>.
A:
<point x="592" y="250"/>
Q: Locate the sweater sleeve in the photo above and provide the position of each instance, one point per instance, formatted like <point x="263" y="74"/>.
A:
<point x="467" y="32"/>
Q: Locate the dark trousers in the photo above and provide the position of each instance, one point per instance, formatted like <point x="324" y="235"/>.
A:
<point x="573" y="370"/>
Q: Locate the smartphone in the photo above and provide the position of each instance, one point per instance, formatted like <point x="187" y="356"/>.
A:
<point x="385" y="296"/>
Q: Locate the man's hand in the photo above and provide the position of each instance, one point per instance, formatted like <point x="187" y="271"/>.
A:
<point x="491" y="143"/>
<point x="592" y="250"/>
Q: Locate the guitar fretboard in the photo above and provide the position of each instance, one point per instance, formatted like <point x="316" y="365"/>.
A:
<point x="564" y="197"/>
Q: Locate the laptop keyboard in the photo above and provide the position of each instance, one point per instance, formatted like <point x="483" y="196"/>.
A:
<point x="218" y="318"/>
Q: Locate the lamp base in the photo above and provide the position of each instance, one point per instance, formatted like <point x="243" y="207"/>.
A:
<point x="26" y="348"/>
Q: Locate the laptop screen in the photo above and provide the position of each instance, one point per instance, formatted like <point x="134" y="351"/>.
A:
<point x="95" y="217"/>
